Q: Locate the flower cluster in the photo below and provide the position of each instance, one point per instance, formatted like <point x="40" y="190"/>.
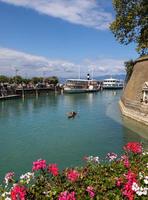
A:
<point x="111" y="156"/>
<point x="125" y="160"/>
<point x="53" y="169"/>
<point x="9" y="177"/>
<point x="67" y="196"/>
<point x="39" y="164"/>
<point x="26" y="178"/>
<point x="133" y="147"/>
<point x="73" y="175"/>
<point x="94" y="159"/>
<point x="91" y="192"/>
<point x="18" y="192"/>
<point x="127" y="189"/>
<point x="139" y="190"/>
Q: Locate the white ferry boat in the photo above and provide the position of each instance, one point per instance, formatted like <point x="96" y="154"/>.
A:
<point x="112" y="83"/>
<point x="81" y="85"/>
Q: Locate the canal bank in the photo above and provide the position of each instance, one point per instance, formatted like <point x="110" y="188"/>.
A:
<point x="135" y="114"/>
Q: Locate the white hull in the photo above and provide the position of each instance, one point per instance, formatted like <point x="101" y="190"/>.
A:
<point x="70" y="90"/>
<point x="112" y="87"/>
<point x="81" y="86"/>
<point x="112" y="84"/>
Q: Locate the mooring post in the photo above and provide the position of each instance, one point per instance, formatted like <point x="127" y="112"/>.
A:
<point x="36" y="93"/>
<point x="23" y="93"/>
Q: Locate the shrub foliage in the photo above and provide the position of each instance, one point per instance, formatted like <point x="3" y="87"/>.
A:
<point x="116" y="177"/>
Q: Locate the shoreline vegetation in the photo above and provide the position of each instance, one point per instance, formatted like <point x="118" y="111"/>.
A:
<point x="115" y="177"/>
<point x="34" y="80"/>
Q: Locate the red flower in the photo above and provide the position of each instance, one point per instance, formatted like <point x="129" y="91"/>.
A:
<point x="39" y="164"/>
<point x="73" y="175"/>
<point x="53" y="169"/>
<point x="133" y="147"/>
<point x="18" y="192"/>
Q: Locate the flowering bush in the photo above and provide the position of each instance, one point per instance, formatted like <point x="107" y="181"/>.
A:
<point x="133" y="147"/>
<point x="117" y="177"/>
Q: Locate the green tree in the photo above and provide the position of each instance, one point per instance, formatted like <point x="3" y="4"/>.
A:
<point x="129" y="65"/>
<point x="26" y="80"/>
<point x="52" y="80"/>
<point x="131" y="23"/>
<point x="36" y="80"/>
<point x="17" y="79"/>
<point x="4" y="79"/>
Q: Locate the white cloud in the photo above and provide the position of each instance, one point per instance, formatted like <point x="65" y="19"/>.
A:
<point x="32" y="65"/>
<point x="106" y="66"/>
<point x="29" y="64"/>
<point x="88" y="13"/>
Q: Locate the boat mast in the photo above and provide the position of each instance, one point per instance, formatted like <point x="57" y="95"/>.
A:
<point x="79" y="72"/>
<point x="92" y="73"/>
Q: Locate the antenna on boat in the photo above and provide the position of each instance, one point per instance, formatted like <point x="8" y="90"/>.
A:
<point x="79" y="72"/>
<point x="92" y="72"/>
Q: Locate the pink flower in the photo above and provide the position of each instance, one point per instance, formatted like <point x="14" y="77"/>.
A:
<point x="111" y="156"/>
<point x="39" y="164"/>
<point x="119" y="182"/>
<point x="91" y="192"/>
<point x="131" y="176"/>
<point x="72" y="175"/>
<point x="134" y="147"/>
<point x="18" y="193"/>
<point x="127" y="189"/>
<point x="53" y="169"/>
<point x="128" y="192"/>
<point x="67" y="196"/>
<point x="9" y="177"/>
<point x="126" y="161"/>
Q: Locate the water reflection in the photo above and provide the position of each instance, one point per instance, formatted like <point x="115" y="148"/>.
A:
<point x="17" y="107"/>
<point x="131" y="136"/>
<point x="38" y="128"/>
<point x="135" y="126"/>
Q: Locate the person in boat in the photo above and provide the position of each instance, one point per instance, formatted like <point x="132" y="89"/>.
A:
<point x="71" y="114"/>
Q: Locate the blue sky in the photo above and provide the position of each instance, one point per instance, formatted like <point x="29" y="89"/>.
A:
<point x="59" y="37"/>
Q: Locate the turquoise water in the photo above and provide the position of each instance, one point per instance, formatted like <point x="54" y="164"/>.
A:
<point x="36" y="128"/>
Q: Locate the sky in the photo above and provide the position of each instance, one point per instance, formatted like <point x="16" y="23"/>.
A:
<point x="61" y="38"/>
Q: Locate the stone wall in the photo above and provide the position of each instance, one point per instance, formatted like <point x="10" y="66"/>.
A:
<point x="130" y="103"/>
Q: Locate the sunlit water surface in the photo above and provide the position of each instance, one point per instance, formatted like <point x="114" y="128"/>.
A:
<point x="36" y="128"/>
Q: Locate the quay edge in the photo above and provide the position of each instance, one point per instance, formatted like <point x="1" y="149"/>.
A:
<point x="136" y="115"/>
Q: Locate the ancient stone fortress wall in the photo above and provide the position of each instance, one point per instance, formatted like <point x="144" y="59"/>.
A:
<point x="132" y="104"/>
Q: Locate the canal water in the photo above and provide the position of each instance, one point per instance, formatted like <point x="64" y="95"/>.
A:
<point x="36" y="128"/>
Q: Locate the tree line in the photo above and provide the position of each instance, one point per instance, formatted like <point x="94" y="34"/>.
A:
<point x="34" y="80"/>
